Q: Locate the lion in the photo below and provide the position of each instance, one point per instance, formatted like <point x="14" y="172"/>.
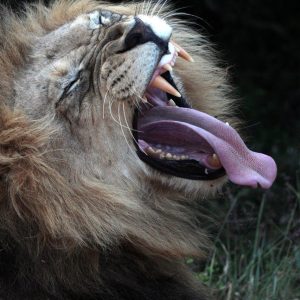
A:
<point x="114" y="120"/>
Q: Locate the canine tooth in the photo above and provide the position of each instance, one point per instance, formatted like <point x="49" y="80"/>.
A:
<point x="177" y="48"/>
<point x="171" y="103"/>
<point x="158" y="151"/>
<point x="168" y="67"/>
<point x="182" y="53"/>
<point x="227" y="124"/>
<point x="214" y="161"/>
<point x="206" y="171"/>
<point x="165" y="86"/>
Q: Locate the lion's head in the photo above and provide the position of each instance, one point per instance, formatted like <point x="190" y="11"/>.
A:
<point x="98" y="138"/>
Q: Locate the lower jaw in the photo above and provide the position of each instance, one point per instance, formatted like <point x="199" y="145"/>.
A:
<point x="187" y="169"/>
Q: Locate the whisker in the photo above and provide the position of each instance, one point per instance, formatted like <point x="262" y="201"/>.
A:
<point x="162" y="6"/>
<point x="112" y="116"/>
<point x="149" y="7"/>
<point x="123" y="133"/>
<point x="128" y="127"/>
<point x="143" y="7"/>
<point x="155" y="6"/>
<point x="125" y="118"/>
<point x="103" y="105"/>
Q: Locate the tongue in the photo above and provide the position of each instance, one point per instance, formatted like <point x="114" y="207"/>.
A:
<point x="176" y="125"/>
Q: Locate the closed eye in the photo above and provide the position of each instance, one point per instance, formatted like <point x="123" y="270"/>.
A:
<point x="72" y="85"/>
<point x="69" y="88"/>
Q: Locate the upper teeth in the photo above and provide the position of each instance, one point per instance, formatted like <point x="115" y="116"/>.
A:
<point x="168" y="67"/>
<point x="166" y="63"/>
<point x="160" y="83"/>
<point x="182" y="53"/>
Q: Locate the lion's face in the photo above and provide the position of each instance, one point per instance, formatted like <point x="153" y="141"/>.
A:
<point x="119" y="99"/>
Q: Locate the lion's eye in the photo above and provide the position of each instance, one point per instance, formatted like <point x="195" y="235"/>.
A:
<point x="72" y="85"/>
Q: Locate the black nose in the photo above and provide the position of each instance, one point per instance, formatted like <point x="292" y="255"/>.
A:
<point x="141" y="34"/>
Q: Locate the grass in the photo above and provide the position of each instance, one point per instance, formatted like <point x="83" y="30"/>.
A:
<point x="257" y="249"/>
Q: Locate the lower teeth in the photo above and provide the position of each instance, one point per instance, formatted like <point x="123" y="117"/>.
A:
<point x="158" y="153"/>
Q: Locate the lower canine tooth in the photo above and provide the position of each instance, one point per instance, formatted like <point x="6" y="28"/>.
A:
<point x="214" y="161"/>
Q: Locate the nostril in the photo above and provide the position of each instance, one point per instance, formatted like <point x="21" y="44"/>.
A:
<point x="137" y="35"/>
<point x="142" y="33"/>
<point x="133" y="39"/>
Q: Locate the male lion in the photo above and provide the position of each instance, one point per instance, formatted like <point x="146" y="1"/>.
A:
<point x="101" y="152"/>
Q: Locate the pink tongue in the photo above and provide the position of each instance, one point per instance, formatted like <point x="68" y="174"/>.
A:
<point x="242" y="165"/>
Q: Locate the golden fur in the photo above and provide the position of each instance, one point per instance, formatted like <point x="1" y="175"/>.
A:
<point x="59" y="213"/>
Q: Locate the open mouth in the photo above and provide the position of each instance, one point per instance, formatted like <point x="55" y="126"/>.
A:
<point x="178" y="140"/>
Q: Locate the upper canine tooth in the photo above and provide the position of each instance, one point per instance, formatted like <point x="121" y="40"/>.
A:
<point x="182" y="53"/>
<point x="164" y="85"/>
<point x="168" y="67"/>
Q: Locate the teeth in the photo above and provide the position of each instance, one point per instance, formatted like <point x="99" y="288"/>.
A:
<point x="165" y="86"/>
<point x="144" y="100"/>
<point x="169" y="156"/>
<point x="150" y="150"/>
<point x="227" y="124"/>
<point x="214" y="161"/>
<point x="206" y="171"/>
<point x="171" y="103"/>
<point x="182" y="53"/>
<point x="159" y="153"/>
<point x="168" y="67"/>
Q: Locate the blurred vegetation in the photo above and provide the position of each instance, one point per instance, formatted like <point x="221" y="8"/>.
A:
<point x="257" y="253"/>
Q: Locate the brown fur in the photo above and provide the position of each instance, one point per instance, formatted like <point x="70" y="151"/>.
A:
<point x="65" y="225"/>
